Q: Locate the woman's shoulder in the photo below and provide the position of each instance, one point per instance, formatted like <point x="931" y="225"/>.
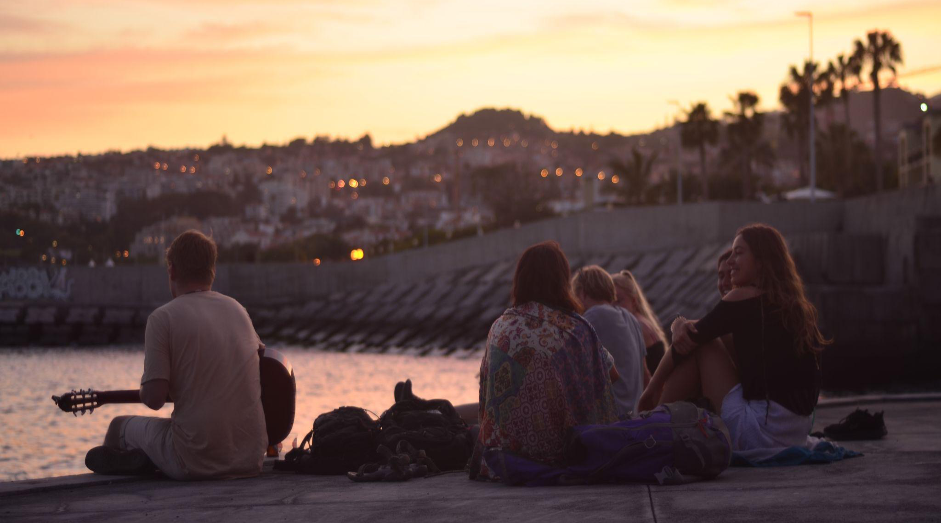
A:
<point x="740" y="294"/>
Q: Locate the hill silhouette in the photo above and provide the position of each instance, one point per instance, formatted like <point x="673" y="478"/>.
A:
<point x="487" y="122"/>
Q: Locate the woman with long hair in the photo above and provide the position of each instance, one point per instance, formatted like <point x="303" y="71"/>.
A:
<point x="768" y="398"/>
<point x="631" y="297"/>
<point x="544" y="369"/>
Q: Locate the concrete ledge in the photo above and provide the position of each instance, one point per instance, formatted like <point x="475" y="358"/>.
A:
<point x="897" y="479"/>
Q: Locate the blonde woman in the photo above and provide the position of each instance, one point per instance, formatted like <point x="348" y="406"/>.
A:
<point x="631" y="297"/>
<point x="619" y="331"/>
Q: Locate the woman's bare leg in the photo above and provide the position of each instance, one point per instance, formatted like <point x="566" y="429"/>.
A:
<point x="683" y="382"/>
<point x="717" y="372"/>
<point x="708" y="372"/>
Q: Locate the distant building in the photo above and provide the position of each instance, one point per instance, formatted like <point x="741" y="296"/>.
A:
<point x="153" y="241"/>
<point x="919" y="164"/>
<point x="87" y="204"/>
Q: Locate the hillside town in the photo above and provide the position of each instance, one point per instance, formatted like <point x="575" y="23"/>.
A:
<point x="317" y="200"/>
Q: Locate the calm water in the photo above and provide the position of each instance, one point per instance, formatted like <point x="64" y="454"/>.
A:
<point x="38" y="440"/>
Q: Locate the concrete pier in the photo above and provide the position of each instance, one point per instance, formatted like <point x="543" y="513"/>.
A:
<point x="897" y="479"/>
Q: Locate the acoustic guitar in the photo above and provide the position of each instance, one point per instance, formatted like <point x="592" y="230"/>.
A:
<point x="278" y="396"/>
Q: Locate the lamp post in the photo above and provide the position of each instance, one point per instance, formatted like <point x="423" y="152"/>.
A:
<point x="810" y="92"/>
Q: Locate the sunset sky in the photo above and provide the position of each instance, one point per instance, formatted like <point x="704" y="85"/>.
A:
<point x="88" y="76"/>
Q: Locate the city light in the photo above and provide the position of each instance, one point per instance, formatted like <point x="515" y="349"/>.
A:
<point x="385" y="181"/>
<point x="474" y="143"/>
<point x="459" y="142"/>
<point x="558" y="172"/>
<point x="544" y="173"/>
<point x="164" y="167"/>
<point x="356" y="254"/>
<point x="362" y="183"/>
<point x="126" y="254"/>
<point x="354" y="183"/>
<point x="55" y="243"/>
<point x="437" y="177"/>
<point x="44" y="257"/>
<point x="341" y="184"/>
<point x="524" y="143"/>
<point x="63" y="262"/>
<point x="615" y="179"/>
<point x="182" y="169"/>
<point x="156" y="165"/>
<point x="491" y="142"/>
<point x="578" y="172"/>
<point x="924" y="107"/>
<point x="600" y="175"/>
<point x="192" y="169"/>
<point x="594" y="146"/>
<point x="354" y="195"/>
<point x="268" y="171"/>
<point x="332" y="185"/>
<point x="316" y="262"/>
<point x="555" y="144"/>
<point x="196" y="157"/>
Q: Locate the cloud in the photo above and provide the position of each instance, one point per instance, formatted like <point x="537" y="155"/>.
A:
<point x="21" y="25"/>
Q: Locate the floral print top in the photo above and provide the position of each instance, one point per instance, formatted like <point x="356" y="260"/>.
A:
<point x="543" y="372"/>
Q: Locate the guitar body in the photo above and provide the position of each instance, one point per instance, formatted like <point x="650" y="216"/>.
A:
<point x="278" y="396"/>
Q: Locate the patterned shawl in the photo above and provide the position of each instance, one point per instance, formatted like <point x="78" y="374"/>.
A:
<point x="543" y="372"/>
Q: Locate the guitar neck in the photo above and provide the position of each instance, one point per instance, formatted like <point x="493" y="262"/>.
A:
<point x="119" y="396"/>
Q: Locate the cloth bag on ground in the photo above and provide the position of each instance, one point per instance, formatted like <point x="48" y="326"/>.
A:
<point x="673" y="443"/>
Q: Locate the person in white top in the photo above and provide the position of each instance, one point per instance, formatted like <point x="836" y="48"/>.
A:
<point x="619" y="331"/>
<point x="202" y="352"/>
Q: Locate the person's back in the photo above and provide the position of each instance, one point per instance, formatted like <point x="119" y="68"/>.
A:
<point x="544" y="370"/>
<point x="201" y="352"/>
<point x="204" y="344"/>
<point x="621" y="334"/>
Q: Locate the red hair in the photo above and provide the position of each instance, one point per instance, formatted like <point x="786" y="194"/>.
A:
<point x="543" y="275"/>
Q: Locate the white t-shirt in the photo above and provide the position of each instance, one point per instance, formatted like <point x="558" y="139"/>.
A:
<point x="204" y="344"/>
<point x="621" y="334"/>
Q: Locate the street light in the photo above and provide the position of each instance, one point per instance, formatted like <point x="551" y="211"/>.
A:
<point x="810" y="92"/>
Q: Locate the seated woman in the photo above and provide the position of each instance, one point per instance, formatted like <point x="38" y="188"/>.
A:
<point x="619" y="331"/>
<point x="766" y="401"/>
<point x="631" y="296"/>
<point x="544" y="369"/>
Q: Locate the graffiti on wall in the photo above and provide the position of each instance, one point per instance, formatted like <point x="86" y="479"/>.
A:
<point x="35" y="283"/>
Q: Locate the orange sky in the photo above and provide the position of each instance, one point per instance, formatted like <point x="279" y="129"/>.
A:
<point x="94" y="75"/>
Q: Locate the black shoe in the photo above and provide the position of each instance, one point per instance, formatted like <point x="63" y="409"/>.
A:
<point x="109" y="460"/>
<point x="859" y="425"/>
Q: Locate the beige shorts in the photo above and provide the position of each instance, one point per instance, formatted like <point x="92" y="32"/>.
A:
<point x="154" y="435"/>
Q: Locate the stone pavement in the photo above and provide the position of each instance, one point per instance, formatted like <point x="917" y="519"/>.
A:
<point x="898" y="479"/>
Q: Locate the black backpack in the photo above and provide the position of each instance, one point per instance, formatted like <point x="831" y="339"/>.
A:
<point x="340" y="441"/>
<point x="431" y="425"/>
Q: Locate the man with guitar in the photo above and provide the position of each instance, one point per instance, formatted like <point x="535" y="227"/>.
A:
<point x="200" y="351"/>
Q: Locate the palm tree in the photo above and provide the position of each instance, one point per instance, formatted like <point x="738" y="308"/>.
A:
<point x="844" y="69"/>
<point x="881" y="50"/>
<point x="746" y="145"/>
<point x="793" y="95"/>
<point x="696" y="131"/>
<point x="636" y="176"/>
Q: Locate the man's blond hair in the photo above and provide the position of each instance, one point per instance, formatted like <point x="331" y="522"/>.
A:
<point x="595" y="283"/>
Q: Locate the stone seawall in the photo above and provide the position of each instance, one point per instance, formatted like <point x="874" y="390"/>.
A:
<point x="872" y="266"/>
